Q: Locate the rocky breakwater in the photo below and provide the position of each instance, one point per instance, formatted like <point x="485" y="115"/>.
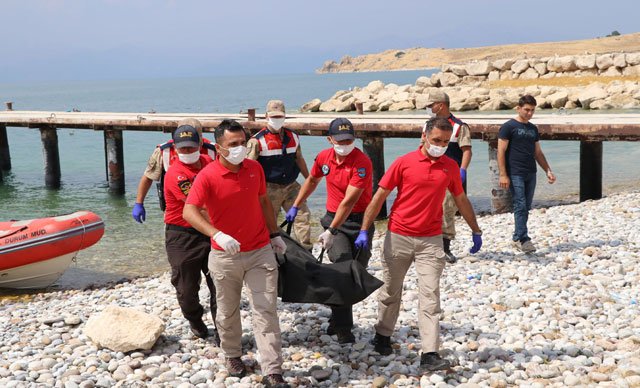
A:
<point x="590" y="81"/>
<point x="567" y="315"/>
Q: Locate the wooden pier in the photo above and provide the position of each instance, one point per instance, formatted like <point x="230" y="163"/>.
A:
<point x="590" y="129"/>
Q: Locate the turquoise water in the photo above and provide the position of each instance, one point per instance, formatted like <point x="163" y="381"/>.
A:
<point x="130" y="249"/>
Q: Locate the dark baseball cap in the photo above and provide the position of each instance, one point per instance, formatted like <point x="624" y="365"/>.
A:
<point x="186" y="136"/>
<point x="341" y="129"/>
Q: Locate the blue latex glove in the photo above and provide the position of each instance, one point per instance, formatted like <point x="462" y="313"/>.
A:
<point x="291" y="214"/>
<point x="138" y="213"/>
<point x="463" y="174"/>
<point x="362" y="242"/>
<point x="477" y="243"/>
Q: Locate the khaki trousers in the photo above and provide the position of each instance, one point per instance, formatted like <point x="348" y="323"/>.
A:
<point x="398" y="254"/>
<point x="283" y="196"/>
<point x="258" y="270"/>
<point x="449" y="209"/>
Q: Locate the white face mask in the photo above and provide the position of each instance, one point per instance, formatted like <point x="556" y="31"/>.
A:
<point x="275" y="123"/>
<point x="344" y="150"/>
<point x="236" y="154"/>
<point x="430" y="113"/>
<point x="436" y="151"/>
<point x="189" y="158"/>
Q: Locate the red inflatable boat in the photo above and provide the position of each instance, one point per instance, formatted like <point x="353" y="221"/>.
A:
<point x="35" y="253"/>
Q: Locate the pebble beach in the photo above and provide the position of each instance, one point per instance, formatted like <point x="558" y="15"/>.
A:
<point x="564" y="316"/>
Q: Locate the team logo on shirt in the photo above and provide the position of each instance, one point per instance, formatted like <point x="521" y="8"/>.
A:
<point x="184" y="186"/>
<point x="362" y="172"/>
<point x="325" y="169"/>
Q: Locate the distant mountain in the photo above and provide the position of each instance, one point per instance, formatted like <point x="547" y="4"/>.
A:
<point x="423" y="58"/>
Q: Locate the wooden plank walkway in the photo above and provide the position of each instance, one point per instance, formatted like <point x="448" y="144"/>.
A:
<point x="570" y="126"/>
<point x="591" y="129"/>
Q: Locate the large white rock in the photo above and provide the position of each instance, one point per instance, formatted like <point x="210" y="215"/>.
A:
<point x="374" y="86"/>
<point x="311" y="106"/>
<point x="123" y="329"/>
<point x="623" y="101"/>
<point x="493" y="75"/>
<point x="435" y="79"/>
<point x="384" y="95"/>
<point x="369" y="106"/>
<point x="403" y="88"/>
<point x="633" y="59"/>
<point x="541" y="68"/>
<point x="611" y="72"/>
<point x="479" y="68"/>
<point x="328" y="106"/>
<point x="339" y="93"/>
<point x="346" y="106"/>
<point x="362" y="96"/>
<point x="449" y="79"/>
<point x="600" y="104"/>
<point x="631" y="71"/>
<point x="508" y="75"/>
<point x="421" y="101"/>
<point x="474" y="80"/>
<point x="558" y="99"/>
<point x="530" y="73"/>
<point x="604" y="61"/>
<point x="562" y="64"/>
<point x="586" y="61"/>
<point x="401" y="96"/>
<point x="423" y="81"/>
<point x="590" y="94"/>
<point x="619" y="60"/>
<point x="459" y="70"/>
<point x="402" y="105"/>
<point x="520" y="65"/>
<point x="503" y="64"/>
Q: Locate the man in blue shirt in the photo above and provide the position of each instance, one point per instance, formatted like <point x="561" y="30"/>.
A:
<point x="518" y="151"/>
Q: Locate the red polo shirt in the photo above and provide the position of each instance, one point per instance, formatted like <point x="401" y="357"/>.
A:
<point x="177" y="183"/>
<point x="422" y="185"/>
<point x="356" y="170"/>
<point x="231" y="199"/>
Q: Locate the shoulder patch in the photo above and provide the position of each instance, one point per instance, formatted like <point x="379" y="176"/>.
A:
<point x="184" y="186"/>
<point x="362" y="172"/>
<point x="325" y="169"/>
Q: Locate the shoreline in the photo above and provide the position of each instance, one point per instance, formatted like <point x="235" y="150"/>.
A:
<point x="567" y="315"/>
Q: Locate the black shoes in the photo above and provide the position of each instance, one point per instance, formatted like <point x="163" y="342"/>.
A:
<point x="382" y="344"/>
<point x="345" y="336"/>
<point x="274" y="381"/>
<point x="432" y="361"/>
<point x="448" y="256"/>
<point x="235" y="367"/>
<point x="199" y="329"/>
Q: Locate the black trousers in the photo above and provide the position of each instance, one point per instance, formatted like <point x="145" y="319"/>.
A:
<point x="188" y="253"/>
<point x="343" y="249"/>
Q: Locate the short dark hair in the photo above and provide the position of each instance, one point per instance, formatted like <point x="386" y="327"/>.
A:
<point x="438" y="122"/>
<point x="227" y="125"/>
<point x="527" y="99"/>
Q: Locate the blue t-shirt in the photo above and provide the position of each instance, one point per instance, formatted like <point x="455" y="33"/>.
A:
<point x="520" y="154"/>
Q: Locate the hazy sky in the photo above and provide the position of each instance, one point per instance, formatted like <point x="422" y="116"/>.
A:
<point x="115" y="39"/>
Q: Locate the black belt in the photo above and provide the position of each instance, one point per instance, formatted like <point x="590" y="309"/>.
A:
<point x="183" y="229"/>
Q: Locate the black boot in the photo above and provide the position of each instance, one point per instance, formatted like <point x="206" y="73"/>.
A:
<point x="448" y="256"/>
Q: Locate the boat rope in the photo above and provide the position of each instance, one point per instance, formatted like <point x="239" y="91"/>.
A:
<point x="84" y="231"/>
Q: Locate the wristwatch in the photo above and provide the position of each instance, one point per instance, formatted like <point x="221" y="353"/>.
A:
<point x="333" y="231"/>
<point x="274" y="235"/>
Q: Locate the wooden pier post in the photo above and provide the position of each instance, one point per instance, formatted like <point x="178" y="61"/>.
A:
<point x="115" y="160"/>
<point x="251" y="114"/>
<point x="374" y="148"/>
<point x="590" y="170"/>
<point x="9" y="105"/>
<point x="5" y="155"/>
<point x="500" y="198"/>
<point x="51" y="154"/>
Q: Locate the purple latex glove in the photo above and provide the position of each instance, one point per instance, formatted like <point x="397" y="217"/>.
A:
<point x="362" y="242"/>
<point x="138" y="213"/>
<point x="463" y="175"/>
<point x="477" y="243"/>
<point x="291" y="214"/>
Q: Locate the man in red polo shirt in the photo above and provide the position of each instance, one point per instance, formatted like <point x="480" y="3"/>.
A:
<point x="187" y="249"/>
<point x="244" y="236"/>
<point x="415" y="235"/>
<point x="349" y="185"/>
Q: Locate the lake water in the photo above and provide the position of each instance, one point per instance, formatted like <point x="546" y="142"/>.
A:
<point x="130" y="249"/>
